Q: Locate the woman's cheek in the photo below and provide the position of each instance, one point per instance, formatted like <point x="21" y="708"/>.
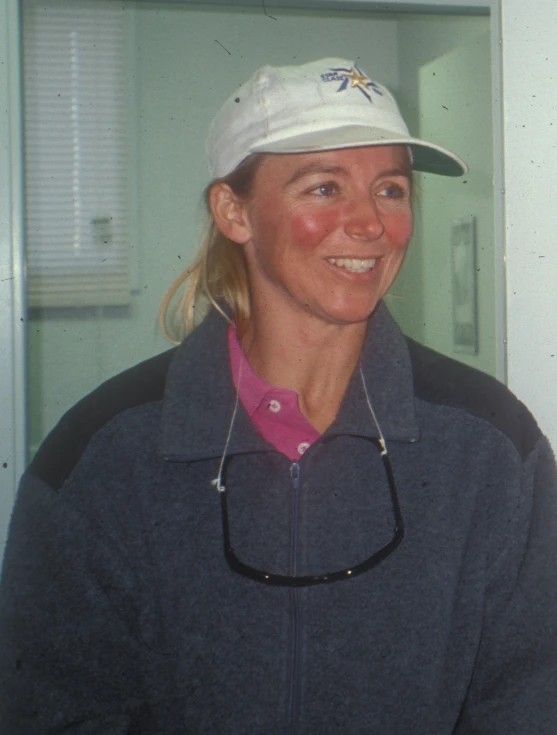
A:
<point x="307" y="230"/>
<point x="400" y="230"/>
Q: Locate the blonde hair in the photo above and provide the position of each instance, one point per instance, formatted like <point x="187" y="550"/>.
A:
<point x="218" y="275"/>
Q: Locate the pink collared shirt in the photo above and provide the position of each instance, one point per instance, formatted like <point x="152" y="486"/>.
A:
<point x="273" y="411"/>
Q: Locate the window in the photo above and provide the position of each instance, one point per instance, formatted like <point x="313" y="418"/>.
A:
<point x="75" y="118"/>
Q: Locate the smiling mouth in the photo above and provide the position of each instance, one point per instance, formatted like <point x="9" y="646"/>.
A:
<point x="354" y="265"/>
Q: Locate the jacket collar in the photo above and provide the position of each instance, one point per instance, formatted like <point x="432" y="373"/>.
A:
<point x="199" y="397"/>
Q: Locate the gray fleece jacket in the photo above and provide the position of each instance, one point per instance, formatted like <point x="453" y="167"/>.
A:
<point x="120" y="615"/>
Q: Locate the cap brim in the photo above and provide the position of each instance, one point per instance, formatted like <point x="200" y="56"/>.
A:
<point x="427" y="157"/>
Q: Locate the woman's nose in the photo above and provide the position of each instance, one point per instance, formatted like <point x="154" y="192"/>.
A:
<point x="363" y="221"/>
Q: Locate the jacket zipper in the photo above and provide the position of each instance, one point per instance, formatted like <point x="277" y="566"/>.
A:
<point x="296" y="623"/>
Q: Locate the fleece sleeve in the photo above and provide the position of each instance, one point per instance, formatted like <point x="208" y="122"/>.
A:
<point x="514" y="687"/>
<point x="71" y="655"/>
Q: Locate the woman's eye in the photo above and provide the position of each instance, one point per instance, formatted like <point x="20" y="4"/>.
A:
<point x="393" y="191"/>
<point x="325" y="190"/>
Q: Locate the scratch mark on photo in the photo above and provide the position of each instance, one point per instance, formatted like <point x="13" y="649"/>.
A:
<point x="265" y="11"/>
<point x="224" y="47"/>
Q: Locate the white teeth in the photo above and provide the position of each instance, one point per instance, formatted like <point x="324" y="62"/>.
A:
<point x="353" y="265"/>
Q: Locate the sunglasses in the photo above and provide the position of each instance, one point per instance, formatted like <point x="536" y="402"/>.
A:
<point x="279" y="580"/>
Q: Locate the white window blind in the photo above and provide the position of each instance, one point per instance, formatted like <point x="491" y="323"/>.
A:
<point x="77" y="211"/>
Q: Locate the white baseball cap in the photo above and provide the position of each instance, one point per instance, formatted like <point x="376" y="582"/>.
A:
<point x="326" y="104"/>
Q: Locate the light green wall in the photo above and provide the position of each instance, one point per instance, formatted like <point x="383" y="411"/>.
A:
<point x="444" y="66"/>
<point x="457" y="84"/>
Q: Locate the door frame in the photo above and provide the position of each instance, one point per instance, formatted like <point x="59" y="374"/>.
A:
<point x="12" y="276"/>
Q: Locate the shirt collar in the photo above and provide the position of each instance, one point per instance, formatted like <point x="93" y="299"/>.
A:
<point x="252" y="388"/>
<point x="199" y="397"/>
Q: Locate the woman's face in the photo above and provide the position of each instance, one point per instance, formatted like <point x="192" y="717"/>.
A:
<point x="326" y="232"/>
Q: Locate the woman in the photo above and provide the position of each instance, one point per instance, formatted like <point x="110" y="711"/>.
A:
<point x="387" y="516"/>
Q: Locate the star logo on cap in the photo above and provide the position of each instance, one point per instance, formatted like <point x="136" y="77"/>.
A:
<point x="353" y="77"/>
<point x="356" y="78"/>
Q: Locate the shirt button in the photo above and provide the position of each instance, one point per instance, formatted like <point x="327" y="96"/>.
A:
<point x="274" y="406"/>
<point x="302" y="447"/>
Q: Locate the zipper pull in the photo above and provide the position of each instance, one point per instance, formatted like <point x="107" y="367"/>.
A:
<point x="295" y="474"/>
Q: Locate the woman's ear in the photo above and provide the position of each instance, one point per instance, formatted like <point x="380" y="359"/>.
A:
<point x="229" y="213"/>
